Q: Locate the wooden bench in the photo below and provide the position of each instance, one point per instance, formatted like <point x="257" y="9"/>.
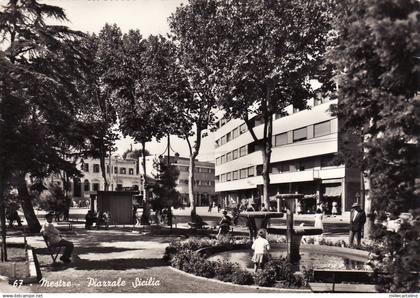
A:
<point x="197" y="225"/>
<point x="53" y="249"/>
<point x="320" y="287"/>
<point x="65" y="223"/>
<point x="330" y="280"/>
<point x="343" y="275"/>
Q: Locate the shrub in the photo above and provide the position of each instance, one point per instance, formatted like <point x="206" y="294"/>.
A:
<point x="242" y="277"/>
<point x="266" y="277"/>
<point x="225" y="270"/>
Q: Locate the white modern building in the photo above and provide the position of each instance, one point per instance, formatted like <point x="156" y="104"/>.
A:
<point x="304" y="145"/>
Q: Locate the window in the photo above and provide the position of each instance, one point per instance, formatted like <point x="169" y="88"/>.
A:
<point x="280" y="139"/>
<point x="243" y="151"/>
<point x="327" y="161"/>
<point x="217" y="143"/>
<point x="119" y="187"/>
<point x="299" y="134"/>
<point x="95" y="186"/>
<point x="235" y="153"/>
<point x="223" y="140"/>
<point x="217" y="160"/>
<point x="322" y="129"/>
<point x="86" y="185"/>
<point x="284" y="167"/>
<point x="183" y="168"/>
<point x="243" y="128"/>
<point x="95" y="168"/>
<point x="115" y="170"/>
<point x="223" y="159"/>
<point x="223" y="178"/>
<point x="228" y="156"/>
<point x="107" y="169"/>
<point x="123" y="171"/>
<point x="85" y="167"/>
<point x="131" y="171"/>
<point x="235" y="133"/>
<point x="251" y="171"/>
<point x="243" y="173"/>
<point x="211" y="183"/>
<point x="229" y="137"/>
<point x="235" y="175"/>
<point x="228" y="176"/>
<point x="217" y="178"/>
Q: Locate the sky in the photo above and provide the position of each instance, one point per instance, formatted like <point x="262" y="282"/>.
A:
<point x="150" y="17"/>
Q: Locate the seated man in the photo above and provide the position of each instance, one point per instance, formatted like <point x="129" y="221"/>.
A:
<point x="90" y="219"/>
<point x="54" y="238"/>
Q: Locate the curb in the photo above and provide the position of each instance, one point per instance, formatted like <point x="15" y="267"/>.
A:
<point x="281" y="290"/>
<point x="34" y="272"/>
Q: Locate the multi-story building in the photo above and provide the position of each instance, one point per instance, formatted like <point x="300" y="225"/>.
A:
<point x="204" y="183"/>
<point x="122" y="174"/>
<point x="304" y="146"/>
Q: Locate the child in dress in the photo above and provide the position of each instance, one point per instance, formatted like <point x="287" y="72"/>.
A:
<point x="318" y="220"/>
<point x="261" y="248"/>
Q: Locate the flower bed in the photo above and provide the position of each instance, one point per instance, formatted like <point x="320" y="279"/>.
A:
<point x="190" y="256"/>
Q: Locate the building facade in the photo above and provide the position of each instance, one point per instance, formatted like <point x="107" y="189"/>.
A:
<point x="304" y="147"/>
<point x="204" y="179"/>
<point x="122" y="174"/>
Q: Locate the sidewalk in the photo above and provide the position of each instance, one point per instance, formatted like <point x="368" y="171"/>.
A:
<point x="118" y="257"/>
<point x="203" y="211"/>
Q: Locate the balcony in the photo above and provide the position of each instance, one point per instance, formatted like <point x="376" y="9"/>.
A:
<point x="299" y="176"/>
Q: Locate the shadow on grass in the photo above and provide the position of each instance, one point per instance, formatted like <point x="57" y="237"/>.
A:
<point x="108" y="264"/>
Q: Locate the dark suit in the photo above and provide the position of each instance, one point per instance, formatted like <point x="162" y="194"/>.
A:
<point x="356" y="225"/>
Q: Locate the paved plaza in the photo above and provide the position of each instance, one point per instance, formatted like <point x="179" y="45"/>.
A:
<point x="123" y="255"/>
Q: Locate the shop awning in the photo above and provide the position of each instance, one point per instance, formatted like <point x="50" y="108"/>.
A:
<point x="332" y="191"/>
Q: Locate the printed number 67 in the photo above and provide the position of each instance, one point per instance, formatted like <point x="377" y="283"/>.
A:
<point x="17" y="283"/>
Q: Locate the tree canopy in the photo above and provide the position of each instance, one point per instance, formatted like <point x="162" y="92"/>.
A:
<point x="376" y="59"/>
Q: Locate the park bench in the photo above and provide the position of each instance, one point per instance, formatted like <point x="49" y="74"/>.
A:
<point x="329" y="280"/>
<point x="53" y="249"/>
<point x="197" y="225"/>
<point x="67" y="224"/>
<point x="321" y="287"/>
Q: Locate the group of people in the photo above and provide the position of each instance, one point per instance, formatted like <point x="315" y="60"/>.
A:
<point x="101" y="219"/>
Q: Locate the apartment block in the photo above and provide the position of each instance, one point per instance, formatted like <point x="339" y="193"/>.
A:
<point x="305" y="144"/>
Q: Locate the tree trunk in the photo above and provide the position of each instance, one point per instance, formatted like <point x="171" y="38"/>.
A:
<point x="103" y="170"/>
<point x="145" y="218"/>
<point x="191" y="187"/>
<point x="3" y="222"/>
<point x="266" y="162"/>
<point x="28" y="209"/>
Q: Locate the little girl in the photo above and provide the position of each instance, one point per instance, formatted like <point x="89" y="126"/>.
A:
<point x="261" y="248"/>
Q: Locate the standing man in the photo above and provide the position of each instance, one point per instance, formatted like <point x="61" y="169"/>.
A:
<point x="54" y="238"/>
<point x="357" y="220"/>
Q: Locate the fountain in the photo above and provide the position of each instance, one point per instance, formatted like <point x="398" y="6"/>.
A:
<point x="258" y="220"/>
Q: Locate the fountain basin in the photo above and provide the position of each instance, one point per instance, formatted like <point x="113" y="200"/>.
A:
<point x="312" y="257"/>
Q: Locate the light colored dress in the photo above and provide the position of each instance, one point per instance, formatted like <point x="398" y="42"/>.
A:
<point x="334" y="208"/>
<point x="318" y="221"/>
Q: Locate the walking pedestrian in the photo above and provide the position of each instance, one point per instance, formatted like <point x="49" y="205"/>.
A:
<point x="357" y="220"/>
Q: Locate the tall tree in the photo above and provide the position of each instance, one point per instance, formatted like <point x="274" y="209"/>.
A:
<point x="96" y="87"/>
<point x="142" y="107"/>
<point x="257" y="57"/>
<point x="375" y="52"/>
<point x="40" y="64"/>
<point x="195" y="36"/>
